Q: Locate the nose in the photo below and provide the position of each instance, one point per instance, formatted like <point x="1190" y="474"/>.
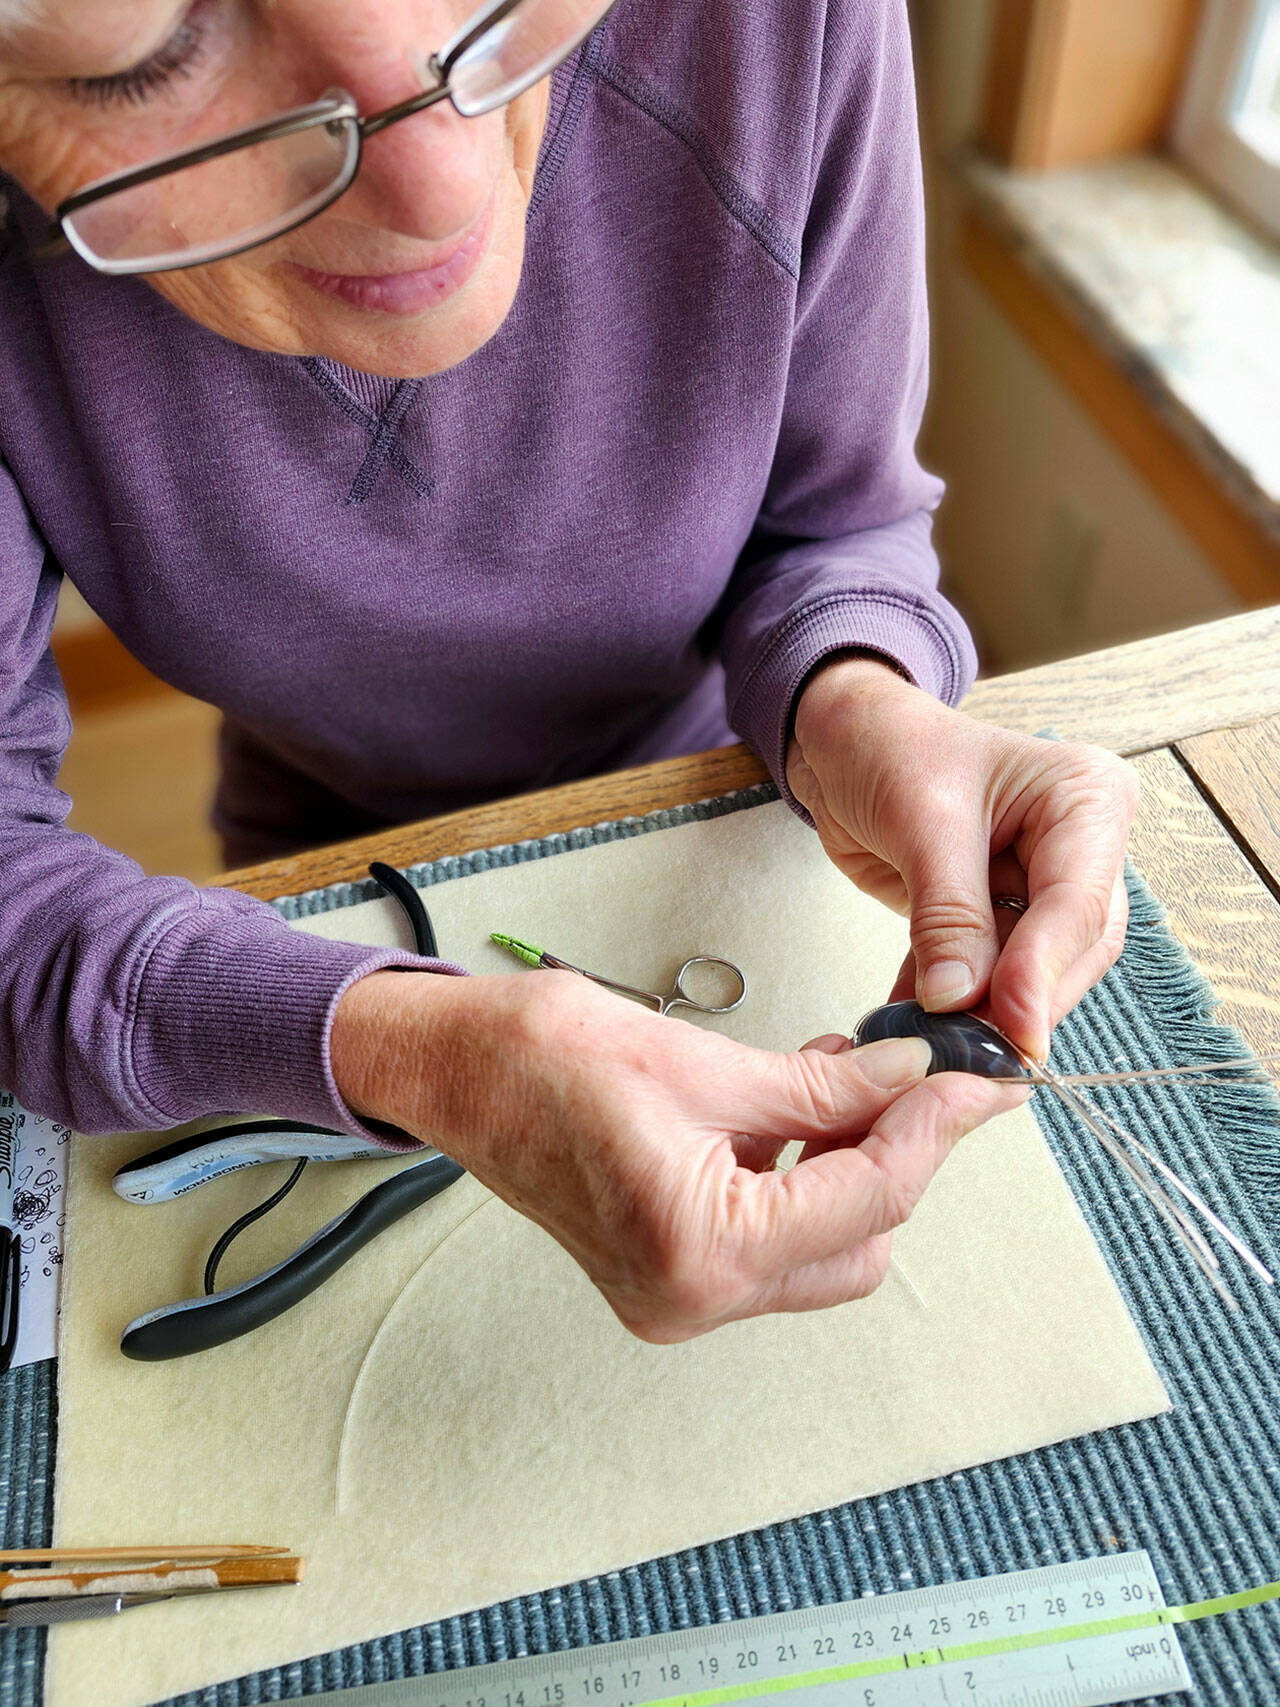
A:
<point x="428" y="175"/>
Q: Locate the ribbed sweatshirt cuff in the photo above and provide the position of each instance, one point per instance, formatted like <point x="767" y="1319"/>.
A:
<point x="903" y="630"/>
<point x="238" y="1011"/>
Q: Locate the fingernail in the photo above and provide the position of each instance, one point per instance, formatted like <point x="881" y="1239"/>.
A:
<point x="895" y="1061"/>
<point x="944" y="983"/>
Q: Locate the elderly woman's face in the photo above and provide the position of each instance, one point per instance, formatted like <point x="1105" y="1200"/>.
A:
<point x="416" y="265"/>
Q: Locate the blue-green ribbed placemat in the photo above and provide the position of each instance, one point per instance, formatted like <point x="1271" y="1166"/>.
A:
<point x="1199" y="1488"/>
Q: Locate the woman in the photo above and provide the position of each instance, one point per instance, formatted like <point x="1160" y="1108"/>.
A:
<point x="668" y="304"/>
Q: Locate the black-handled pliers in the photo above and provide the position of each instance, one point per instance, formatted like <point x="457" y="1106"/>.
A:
<point x="196" y="1324"/>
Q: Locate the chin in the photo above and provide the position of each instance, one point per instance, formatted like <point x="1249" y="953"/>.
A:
<point x="414" y="346"/>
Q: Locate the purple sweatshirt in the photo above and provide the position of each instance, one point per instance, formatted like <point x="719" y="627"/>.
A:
<point x="680" y="474"/>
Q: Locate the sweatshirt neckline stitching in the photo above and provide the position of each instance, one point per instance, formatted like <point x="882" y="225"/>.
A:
<point x="383" y="429"/>
<point x="555" y="145"/>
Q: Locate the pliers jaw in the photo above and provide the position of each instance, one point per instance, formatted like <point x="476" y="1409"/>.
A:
<point x="161" y="1175"/>
<point x="196" y="1324"/>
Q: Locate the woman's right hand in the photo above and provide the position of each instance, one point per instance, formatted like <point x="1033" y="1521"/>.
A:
<point x="646" y="1146"/>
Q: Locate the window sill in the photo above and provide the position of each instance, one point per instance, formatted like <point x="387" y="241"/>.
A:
<point x="1178" y="294"/>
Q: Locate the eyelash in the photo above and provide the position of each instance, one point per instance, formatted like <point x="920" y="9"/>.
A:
<point x="177" y="58"/>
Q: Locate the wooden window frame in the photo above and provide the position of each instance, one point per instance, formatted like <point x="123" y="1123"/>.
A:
<point x="1047" y="106"/>
<point x="1207" y="133"/>
<point x="1072" y="82"/>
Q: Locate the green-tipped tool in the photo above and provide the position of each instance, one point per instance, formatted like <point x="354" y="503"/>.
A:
<point x="525" y="950"/>
<point x="676" y="997"/>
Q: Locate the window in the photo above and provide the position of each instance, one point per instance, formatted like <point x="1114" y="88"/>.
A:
<point x="1228" y="127"/>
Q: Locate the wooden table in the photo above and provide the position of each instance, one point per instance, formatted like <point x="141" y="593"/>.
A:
<point x="1197" y="712"/>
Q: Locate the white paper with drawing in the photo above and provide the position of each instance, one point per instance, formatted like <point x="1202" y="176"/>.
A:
<point x="457" y="1417"/>
<point x="39" y="1181"/>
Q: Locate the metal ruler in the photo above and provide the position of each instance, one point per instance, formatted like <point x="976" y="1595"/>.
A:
<point x="1085" y="1634"/>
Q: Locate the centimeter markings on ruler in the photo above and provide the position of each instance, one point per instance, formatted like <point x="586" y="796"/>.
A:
<point x="1004" y="1641"/>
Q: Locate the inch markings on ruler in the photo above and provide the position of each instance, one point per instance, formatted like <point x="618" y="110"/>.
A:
<point x="1088" y="1633"/>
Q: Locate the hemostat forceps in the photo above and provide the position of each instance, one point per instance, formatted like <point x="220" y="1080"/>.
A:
<point x="677" y="997"/>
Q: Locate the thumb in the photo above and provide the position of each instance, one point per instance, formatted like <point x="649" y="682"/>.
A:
<point x="830" y="1043"/>
<point x="814" y="1094"/>
<point x="953" y="932"/>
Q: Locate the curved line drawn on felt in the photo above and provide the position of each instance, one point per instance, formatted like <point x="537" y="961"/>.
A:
<point x="485" y="1202"/>
<point x="895" y="1267"/>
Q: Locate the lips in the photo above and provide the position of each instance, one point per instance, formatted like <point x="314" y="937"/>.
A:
<point x="411" y="291"/>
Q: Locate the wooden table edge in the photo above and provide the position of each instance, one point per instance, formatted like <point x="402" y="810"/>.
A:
<point x="515" y="818"/>
<point x="1132" y="698"/>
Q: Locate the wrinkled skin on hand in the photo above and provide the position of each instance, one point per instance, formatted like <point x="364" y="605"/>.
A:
<point x="646" y="1146"/>
<point x="933" y="812"/>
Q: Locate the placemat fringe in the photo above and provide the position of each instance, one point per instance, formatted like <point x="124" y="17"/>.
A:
<point x="1199" y="1487"/>
<point x="1243" y="1111"/>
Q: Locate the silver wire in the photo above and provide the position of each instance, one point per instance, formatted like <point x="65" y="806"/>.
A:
<point x="1156" y="1193"/>
<point x="1144" y="1075"/>
<point x="1190" y="1238"/>
<point x="1140" y="1075"/>
<point x="1061" y="1081"/>
<point x="1102" y="1126"/>
<point x="1193" y="1197"/>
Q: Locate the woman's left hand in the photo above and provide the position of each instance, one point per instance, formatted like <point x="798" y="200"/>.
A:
<point x="933" y="813"/>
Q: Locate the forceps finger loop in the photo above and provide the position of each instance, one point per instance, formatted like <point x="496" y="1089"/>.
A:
<point x="680" y="997"/>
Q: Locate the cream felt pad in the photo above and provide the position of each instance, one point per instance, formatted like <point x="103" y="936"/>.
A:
<point x="457" y="1417"/>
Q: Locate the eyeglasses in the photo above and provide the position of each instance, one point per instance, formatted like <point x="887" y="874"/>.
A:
<point x="255" y="184"/>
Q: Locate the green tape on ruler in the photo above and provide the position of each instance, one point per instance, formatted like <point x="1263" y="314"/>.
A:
<point x="1086" y="1660"/>
<point x="1187" y="1614"/>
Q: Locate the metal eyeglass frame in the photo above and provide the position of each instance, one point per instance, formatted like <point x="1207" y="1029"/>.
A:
<point x="334" y="105"/>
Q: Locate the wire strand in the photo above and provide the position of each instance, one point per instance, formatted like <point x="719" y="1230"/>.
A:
<point x="246" y="1220"/>
<point x="1268" y="1064"/>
